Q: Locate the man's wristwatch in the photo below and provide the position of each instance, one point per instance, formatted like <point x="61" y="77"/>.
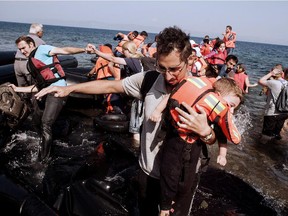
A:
<point x="208" y="137"/>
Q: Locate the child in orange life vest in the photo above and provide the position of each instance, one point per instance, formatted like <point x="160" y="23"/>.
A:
<point x="230" y="93"/>
<point x="242" y="78"/>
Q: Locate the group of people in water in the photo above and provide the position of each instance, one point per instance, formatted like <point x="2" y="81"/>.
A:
<point x="192" y="91"/>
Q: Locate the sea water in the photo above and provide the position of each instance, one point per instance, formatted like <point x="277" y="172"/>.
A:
<point x="260" y="163"/>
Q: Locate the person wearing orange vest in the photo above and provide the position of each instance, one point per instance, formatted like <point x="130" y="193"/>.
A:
<point x="229" y="37"/>
<point x="218" y="55"/>
<point x="173" y="52"/>
<point x="107" y="70"/>
<point x="219" y="101"/>
<point x="198" y="64"/>
<point x="103" y="68"/>
<point x="205" y="47"/>
<point x="242" y="78"/>
<point x="133" y="65"/>
<point x="118" y="52"/>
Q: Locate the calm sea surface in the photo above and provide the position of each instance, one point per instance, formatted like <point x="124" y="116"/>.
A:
<point x="264" y="166"/>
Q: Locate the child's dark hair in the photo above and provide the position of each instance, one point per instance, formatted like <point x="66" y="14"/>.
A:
<point x="242" y="66"/>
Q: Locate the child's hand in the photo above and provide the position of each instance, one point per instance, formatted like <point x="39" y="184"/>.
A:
<point x="164" y="213"/>
<point x="221" y="160"/>
<point x="156" y="116"/>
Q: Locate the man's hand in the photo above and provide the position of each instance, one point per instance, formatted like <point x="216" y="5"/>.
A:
<point x="196" y="122"/>
<point x="58" y="91"/>
<point x="13" y="87"/>
<point x="90" y="48"/>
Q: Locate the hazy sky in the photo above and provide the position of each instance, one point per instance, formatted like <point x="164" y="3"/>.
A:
<point x="255" y="21"/>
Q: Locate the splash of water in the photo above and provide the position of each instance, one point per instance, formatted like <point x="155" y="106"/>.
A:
<point x="243" y="119"/>
<point x="243" y="122"/>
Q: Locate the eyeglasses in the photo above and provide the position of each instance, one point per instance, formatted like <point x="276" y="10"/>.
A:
<point x="162" y="69"/>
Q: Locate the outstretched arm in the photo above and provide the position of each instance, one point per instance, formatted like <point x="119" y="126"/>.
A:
<point x="92" y="87"/>
<point x="66" y="51"/>
<point x="110" y="57"/>
<point x="24" y="89"/>
<point x="248" y="84"/>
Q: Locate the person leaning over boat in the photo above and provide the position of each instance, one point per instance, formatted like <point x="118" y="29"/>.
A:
<point x="173" y="52"/>
<point x="140" y="39"/>
<point x="273" y="119"/>
<point x="123" y="38"/>
<point x="133" y="65"/>
<point x="47" y="110"/>
<point x="229" y="67"/>
<point x="22" y="74"/>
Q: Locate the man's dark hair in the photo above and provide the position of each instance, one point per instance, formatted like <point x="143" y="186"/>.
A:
<point x="233" y="57"/>
<point x="228" y="26"/>
<point x="135" y="33"/>
<point x="108" y="45"/>
<point x="25" y="38"/>
<point x="173" y="38"/>
<point x="144" y="33"/>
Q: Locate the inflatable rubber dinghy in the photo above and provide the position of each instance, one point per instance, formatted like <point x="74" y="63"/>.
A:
<point x="7" y="57"/>
<point x="15" y="200"/>
<point x="78" y="75"/>
<point x="7" y="74"/>
<point x="112" y="122"/>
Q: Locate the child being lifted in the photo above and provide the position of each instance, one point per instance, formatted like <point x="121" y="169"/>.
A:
<point x="218" y="99"/>
<point x="225" y="90"/>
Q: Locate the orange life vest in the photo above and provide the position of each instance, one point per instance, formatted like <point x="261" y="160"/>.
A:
<point x="218" y="58"/>
<point x="230" y="43"/>
<point x="205" y="49"/>
<point x="120" y="44"/>
<point x="199" y="90"/>
<point x="101" y="68"/>
<point x="240" y="80"/>
<point x="194" y="70"/>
